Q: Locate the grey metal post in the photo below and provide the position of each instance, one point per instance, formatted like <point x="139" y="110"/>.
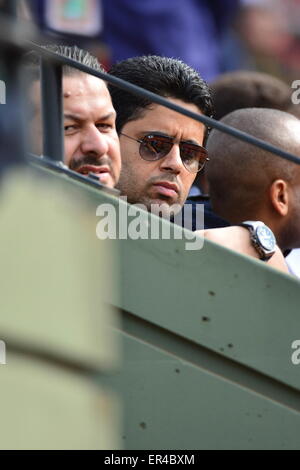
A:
<point x="52" y="109"/>
<point x="11" y="111"/>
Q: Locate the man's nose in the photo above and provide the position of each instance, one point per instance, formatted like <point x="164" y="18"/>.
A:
<point x="172" y="161"/>
<point x="93" y="141"/>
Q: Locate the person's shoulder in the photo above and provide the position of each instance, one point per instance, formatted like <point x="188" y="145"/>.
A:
<point x="211" y="220"/>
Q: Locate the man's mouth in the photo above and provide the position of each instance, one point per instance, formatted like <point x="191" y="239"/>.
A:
<point x="86" y="169"/>
<point x="102" y="172"/>
<point x="165" y="188"/>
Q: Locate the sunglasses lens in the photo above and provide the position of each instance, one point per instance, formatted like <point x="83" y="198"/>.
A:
<point x="193" y="157"/>
<point x="155" y="147"/>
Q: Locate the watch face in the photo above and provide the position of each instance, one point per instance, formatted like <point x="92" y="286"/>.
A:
<point x="266" y="238"/>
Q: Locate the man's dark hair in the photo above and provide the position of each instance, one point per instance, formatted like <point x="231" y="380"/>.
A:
<point x="32" y="60"/>
<point x="245" y="89"/>
<point x="170" y="78"/>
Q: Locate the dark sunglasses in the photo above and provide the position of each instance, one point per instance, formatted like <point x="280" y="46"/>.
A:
<point x="155" y="146"/>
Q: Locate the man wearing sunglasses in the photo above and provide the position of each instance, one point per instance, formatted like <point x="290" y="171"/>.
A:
<point x="162" y="150"/>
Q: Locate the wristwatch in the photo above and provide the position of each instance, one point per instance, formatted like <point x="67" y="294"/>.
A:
<point x="262" y="238"/>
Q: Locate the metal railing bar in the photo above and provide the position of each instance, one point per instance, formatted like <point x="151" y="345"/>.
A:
<point x="17" y="34"/>
<point x="52" y="110"/>
<point x="209" y="122"/>
<point x="59" y="167"/>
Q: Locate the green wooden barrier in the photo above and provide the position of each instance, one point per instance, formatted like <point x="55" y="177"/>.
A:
<point x="56" y="327"/>
<point x="207" y="339"/>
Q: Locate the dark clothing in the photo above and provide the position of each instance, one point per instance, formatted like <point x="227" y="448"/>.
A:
<point x="211" y="220"/>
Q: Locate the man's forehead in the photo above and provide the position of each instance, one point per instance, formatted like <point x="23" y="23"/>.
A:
<point x="103" y="114"/>
<point x="155" y="110"/>
<point x="77" y="84"/>
<point x="79" y="92"/>
<point x="86" y="94"/>
<point x="81" y="84"/>
<point x="160" y="118"/>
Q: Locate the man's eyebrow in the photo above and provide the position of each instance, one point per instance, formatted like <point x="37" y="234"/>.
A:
<point x="108" y="116"/>
<point x="163" y="134"/>
<point x="77" y="117"/>
<point x="73" y="117"/>
<point x="191" y="141"/>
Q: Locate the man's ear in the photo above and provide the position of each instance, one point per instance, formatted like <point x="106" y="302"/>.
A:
<point x="279" y="197"/>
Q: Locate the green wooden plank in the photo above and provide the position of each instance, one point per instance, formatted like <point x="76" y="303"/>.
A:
<point x="54" y="272"/>
<point x="44" y="406"/>
<point x="231" y="304"/>
<point x="172" y="404"/>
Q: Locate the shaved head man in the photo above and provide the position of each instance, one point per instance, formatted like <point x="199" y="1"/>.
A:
<point x="248" y="183"/>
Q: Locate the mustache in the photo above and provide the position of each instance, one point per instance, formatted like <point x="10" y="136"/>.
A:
<point x="89" y="160"/>
<point x="165" y="177"/>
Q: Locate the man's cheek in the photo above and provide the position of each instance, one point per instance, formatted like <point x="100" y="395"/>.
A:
<point x="117" y="161"/>
<point x="69" y="149"/>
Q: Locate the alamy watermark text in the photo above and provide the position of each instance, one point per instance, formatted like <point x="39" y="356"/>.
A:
<point x="135" y="222"/>
<point x="296" y="354"/>
<point x="296" y="93"/>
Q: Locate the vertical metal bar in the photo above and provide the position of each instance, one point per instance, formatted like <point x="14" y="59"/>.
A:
<point x="52" y="110"/>
<point x="12" y="146"/>
<point x="11" y="134"/>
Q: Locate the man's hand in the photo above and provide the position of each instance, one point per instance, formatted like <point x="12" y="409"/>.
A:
<point x="238" y="239"/>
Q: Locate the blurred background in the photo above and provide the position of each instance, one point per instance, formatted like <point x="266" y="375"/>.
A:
<point x="213" y="36"/>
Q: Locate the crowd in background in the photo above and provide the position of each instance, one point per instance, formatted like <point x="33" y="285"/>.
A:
<point x="212" y="36"/>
